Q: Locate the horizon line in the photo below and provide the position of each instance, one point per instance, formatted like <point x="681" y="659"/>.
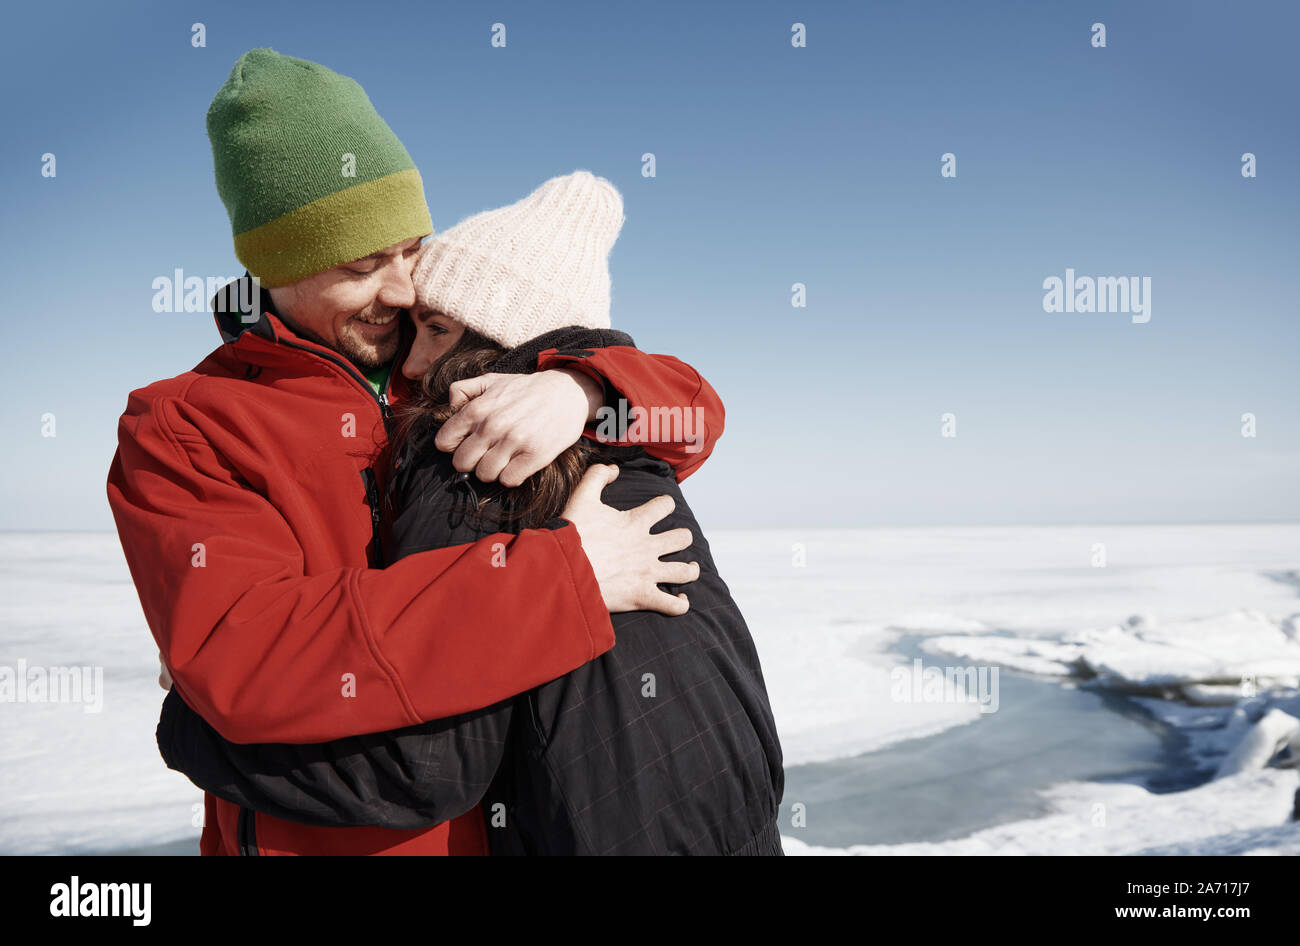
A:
<point x="982" y="525"/>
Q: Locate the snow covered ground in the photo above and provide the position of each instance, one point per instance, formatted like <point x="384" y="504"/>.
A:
<point x="1198" y="621"/>
<point x="74" y="781"/>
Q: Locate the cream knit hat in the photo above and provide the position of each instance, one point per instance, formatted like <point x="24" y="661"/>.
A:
<point x="514" y="273"/>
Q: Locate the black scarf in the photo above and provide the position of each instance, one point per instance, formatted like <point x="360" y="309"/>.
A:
<point x="570" y="340"/>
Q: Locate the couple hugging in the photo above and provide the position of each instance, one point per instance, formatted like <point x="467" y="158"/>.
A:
<point x="408" y="600"/>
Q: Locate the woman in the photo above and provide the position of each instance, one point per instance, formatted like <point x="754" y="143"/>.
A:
<point x="664" y="745"/>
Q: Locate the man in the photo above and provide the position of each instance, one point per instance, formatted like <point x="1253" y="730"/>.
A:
<point x="244" y="490"/>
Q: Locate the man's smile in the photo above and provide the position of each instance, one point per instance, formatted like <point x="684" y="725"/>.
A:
<point x="377" y="320"/>
<point x="376" y="324"/>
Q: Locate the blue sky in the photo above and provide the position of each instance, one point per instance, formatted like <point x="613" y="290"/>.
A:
<point x="775" y="165"/>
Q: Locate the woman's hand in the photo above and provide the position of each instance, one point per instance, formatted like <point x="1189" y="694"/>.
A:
<point x="509" y="426"/>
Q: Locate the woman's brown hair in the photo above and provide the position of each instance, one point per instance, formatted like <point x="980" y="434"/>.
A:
<point x="534" y="502"/>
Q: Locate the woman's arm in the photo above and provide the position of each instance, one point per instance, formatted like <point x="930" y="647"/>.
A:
<point x="406" y="778"/>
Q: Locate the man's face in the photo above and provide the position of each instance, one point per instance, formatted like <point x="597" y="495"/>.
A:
<point x="435" y="335"/>
<point x="354" y="308"/>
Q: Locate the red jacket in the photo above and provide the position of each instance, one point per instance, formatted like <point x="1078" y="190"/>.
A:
<point x="239" y="498"/>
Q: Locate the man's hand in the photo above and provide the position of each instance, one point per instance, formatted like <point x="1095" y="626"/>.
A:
<point x="509" y="426"/>
<point x="623" y="553"/>
<point x="164" y="678"/>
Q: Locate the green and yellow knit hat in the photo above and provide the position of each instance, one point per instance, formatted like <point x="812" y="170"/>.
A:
<point x="310" y="174"/>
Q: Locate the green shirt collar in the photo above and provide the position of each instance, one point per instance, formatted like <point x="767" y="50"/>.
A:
<point x="378" y="377"/>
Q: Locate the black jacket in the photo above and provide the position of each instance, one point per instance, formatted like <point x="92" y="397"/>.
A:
<point x="664" y="745"/>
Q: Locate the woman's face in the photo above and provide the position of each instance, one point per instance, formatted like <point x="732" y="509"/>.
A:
<point x="435" y="335"/>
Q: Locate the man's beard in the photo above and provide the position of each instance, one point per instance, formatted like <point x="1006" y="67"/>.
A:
<point x="352" y="345"/>
<point x="364" y="353"/>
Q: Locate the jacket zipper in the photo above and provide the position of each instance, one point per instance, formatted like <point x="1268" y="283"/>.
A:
<point x="385" y="414"/>
<point x="372" y="500"/>
<point x="535" y="719"/>
<point x="246" y="833"/>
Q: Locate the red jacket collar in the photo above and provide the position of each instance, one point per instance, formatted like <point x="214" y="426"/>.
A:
<point x="232" y="312"/>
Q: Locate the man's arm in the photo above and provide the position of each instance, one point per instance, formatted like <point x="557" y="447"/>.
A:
<point x="267" y="653"/>
<point x="687" y="413"/>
